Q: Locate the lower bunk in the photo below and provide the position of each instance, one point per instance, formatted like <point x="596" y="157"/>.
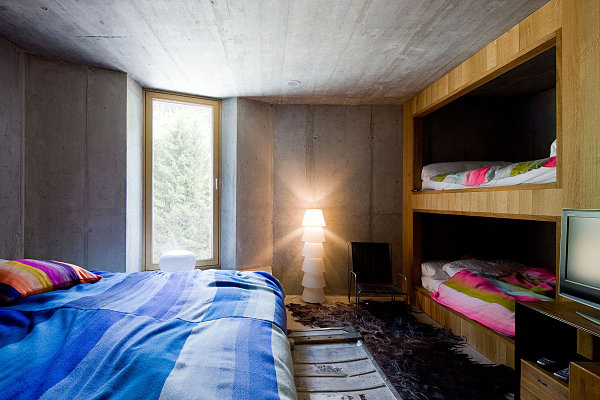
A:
<point x="497" y="347"/>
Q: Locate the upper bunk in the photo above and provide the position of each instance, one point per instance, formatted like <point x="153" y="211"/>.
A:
<point x="484" y="131"/>
<point x="501" y="134"/>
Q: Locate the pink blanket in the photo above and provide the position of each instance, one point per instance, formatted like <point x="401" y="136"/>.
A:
<point x="491" y="301"/>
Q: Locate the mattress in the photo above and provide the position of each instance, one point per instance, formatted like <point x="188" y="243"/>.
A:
<point x="529" y="172"/>
<point x="152" y="335"/>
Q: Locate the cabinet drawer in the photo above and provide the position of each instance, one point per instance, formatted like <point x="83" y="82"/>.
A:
<point x="537" y="383"/>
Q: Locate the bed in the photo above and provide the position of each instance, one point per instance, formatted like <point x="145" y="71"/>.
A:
<point x="474" y="174"/>
<point x="486" y="291"/>
<point x="184" y="335"/>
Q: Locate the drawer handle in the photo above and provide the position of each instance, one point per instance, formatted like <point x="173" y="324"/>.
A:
<point x="542" y="382"/>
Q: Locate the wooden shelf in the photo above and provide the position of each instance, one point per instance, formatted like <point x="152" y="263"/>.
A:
<point x="540" y="204"/>
<point x="565" y="312"/>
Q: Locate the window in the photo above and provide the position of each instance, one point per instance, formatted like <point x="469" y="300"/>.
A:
<point x="182" y="152"/>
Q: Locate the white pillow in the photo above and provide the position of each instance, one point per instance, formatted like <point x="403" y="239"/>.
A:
<point x="431" y="170"/>
<point x="553" y="149"/>
<point x="432" y="284"/>
<point x="3" y="261"/>
<point x="433" y="269"/>
<point x="475" y="265"/>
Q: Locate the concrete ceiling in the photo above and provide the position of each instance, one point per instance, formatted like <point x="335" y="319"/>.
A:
<point x="342" y="51"/>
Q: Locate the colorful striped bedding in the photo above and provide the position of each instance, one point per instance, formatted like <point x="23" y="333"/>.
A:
<point x="529" y="172"/>
<point x="491" y="301"/>
<point x="152" y="335"/>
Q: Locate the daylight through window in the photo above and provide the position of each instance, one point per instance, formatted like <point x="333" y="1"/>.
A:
<point x="181" y="176"/>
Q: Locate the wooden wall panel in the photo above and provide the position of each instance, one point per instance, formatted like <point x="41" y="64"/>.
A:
<point x="527" y="203"/>
<point x="494" y="58"/>
<point x="581" y="102"/>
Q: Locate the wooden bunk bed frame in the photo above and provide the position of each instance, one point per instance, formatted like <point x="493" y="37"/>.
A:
<point x="571" y="26"/>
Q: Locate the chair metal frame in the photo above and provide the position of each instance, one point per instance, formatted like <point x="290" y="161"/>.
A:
<point x="352" y="278"/>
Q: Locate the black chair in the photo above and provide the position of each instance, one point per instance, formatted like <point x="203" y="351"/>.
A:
<point x="370" y="269"/>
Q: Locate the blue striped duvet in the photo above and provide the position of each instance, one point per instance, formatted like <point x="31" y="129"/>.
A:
<point x="184" y="335"/>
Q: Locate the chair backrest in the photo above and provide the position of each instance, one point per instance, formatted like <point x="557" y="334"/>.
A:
<point x="372" y="262"/>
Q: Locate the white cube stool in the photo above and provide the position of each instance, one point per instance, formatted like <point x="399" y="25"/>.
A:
<point x="177" y="260"/>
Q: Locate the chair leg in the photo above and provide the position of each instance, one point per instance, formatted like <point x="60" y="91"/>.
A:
<point x="357" y="302"/>
<point x="349" y="289"/>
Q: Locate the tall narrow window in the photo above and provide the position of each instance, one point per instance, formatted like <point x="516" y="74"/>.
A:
<point x="181" y="174"/>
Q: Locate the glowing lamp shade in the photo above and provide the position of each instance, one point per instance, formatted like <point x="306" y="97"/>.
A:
<point x="313" y="250"/>
<point x="313" y="235"/>
<point x="313" y="265"/>
<point x="313" y="295"/>
<point x="313" y="217"/>
<point x="313" y="281"/>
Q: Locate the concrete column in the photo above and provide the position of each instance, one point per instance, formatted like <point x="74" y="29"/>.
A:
<point x="247" y="187"/>
<point x="11" y="150"/>
<point x="135" y="176"/>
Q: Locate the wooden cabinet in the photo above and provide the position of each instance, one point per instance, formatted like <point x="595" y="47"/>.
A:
<point x="554" y="330"/>
<point x="584" y="380"/>
<point x="537" y="383"/>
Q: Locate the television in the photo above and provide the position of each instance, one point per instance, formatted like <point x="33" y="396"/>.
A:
<point x="579" y="271"/>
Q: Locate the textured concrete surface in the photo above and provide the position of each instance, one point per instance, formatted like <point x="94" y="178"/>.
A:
<point x="11" y="142"/>
<point x="346" y="161"/>
<point x="344" y="52"/>
<point x="254" y="209"/>
<point x="106" y="169"/>
<point x="135" y="175"/>
<point x="247" y="189"/>
<point x="75" y="157"/>
<point x="55" y="139"/>
<point x="228" y="183"/>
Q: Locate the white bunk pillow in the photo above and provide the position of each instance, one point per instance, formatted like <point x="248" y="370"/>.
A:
<point x="432" y="170"/>
<point x="434" y="269"/>
<point x="553" y="149"/>
<point x="472" y="264"/>
<point x="495" y="268"/>
<point x="432" y="284"/>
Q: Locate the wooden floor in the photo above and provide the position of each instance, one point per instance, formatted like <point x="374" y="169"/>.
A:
<point x="334" y="364"/>
<point x="421" y="317"/>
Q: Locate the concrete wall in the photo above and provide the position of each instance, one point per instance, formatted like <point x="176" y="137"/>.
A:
<point x="247" y="187"/>
<point x="76" y="163"/>
<point x="254" y="210"/>
<point x="11" y="142"/>
<point x="345" y="160"/>
<point x="228" y="183"/>
<point x="135" y="176"/>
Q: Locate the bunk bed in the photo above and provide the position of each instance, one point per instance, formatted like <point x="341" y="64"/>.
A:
<point x="478" y="94"/>
<point x="487" y="291"/>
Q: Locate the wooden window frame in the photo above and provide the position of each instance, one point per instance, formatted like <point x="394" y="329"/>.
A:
<point x="148" y="96"/>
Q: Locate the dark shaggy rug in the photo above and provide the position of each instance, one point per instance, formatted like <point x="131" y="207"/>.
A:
<point x="421" y="361"/>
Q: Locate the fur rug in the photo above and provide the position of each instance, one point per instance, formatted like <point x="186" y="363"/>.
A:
<point x="421" y="361"/>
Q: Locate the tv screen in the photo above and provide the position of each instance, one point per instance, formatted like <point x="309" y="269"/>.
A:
<point x="580" y="256"/>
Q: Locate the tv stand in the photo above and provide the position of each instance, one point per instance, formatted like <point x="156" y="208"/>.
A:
<point x="558" y="331"/>
<point x="593" y="316"/>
